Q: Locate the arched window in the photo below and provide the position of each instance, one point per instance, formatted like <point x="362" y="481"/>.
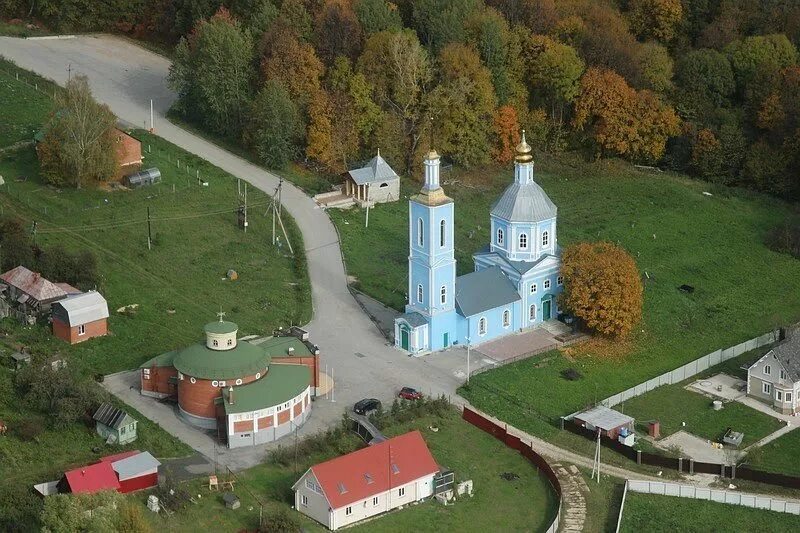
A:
<point x="444" y="294"/>
<point x="545" y="238"/>
<point x="419" y="293"/>
<point x="500" y="237"/>
<point x="523" y="241"/>
<point x="441" y="233"/>
<point x="420" y="232"/>
<point x="482" y="326"/>
<point x="532" y="313"/>
<point x="506" y="318"/>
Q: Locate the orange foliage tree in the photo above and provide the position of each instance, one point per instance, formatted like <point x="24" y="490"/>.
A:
<point x="602" y="287"/>
<point x="506" y="134"/>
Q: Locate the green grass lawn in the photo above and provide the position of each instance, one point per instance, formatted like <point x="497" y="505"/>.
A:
<point x="525" y="504"/>
<point x="672" y="405"/>
<point x="648" y="512"/>
<point x="24" y="109"/>
<point x="780" y="456"/>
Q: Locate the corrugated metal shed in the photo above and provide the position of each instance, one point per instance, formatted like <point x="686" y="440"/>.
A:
<point x="135" y="465"/>
<point x="604" y="418"/>
<point x="81" y="309"/>
<point x="524" y="203"/>
<point x="112" y="417"/>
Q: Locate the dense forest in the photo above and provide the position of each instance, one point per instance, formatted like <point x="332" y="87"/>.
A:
<point x="708" y="87"/>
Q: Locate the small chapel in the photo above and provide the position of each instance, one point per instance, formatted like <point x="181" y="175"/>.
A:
<point x="516" y="277"/>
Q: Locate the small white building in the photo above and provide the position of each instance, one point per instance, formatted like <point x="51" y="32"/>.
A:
<point x="775" y="378"/>
<point x="367" y="482"/>
<point x="374" y="183"/>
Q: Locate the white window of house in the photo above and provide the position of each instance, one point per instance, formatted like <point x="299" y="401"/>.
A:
<point x="779" y="395"/>
<point x="82" y="329"/>
<point x="304" y="500"/>
<point x="419" y="293"/>
<point x="348" y="511"/>
<point x="375" y="500"/>
<point x="546" y="284"/>
<point x="523" y="241"/>
<point x="239" y="381"/>
<point x="192" y="380"/>
<point x="401" y="491"/>
<point x="506" y="318"/>
<point x="788" y="396"/>
<point x="482" y="326"/>
<point x="230" y="342"/>
<point x="215" y="383"/>
<point x="545" y="238"/>
<point x="560" y="280"/>
<point x="310" y="485"/>
<point x="441" y="233"/>
<point x="500" y="236"/>
<point x="532" y="313"/>
<point x="258" y="375"/>
<point x="783" y="374"/>
<point x="767" y="370"/>
<point x="215" y="343"/>
<point x="533" y="288"/>
<point x="221" y="383"/>
<point x="420" y="234"/>
<point x="444" y="294"/>
<point x="766" y="388"/>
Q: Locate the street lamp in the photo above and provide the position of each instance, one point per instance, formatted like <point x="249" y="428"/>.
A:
<point x="468" y="343"/>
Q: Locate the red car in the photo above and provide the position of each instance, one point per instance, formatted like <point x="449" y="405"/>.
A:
<point x="407" y="393"/>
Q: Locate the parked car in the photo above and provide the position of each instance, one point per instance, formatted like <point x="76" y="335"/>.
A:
<point x="366" y="406"/>
<point x="407" y="393"/>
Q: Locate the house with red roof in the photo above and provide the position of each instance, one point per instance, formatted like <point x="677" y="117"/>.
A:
<point x="29" y="292"/>
<point x="368" y="482"/>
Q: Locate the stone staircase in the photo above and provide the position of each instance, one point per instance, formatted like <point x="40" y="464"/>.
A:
<point x="334" y="199"/>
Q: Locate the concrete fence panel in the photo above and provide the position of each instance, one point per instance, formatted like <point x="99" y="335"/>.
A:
<point x="702" y="494"/>
<point x="702" y="364"/>
<point x="792" y="508"/>
<point x="671" y="489"/>
<point x="715" y="358"/>
<point x="653" y="383"/>
<point x="717" y="496"/>
<point x="686" y="491"/>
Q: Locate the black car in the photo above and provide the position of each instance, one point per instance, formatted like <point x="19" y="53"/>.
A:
<point x="366" y="406"/>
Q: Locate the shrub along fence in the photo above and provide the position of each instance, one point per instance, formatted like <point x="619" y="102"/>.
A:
<point x="515" y="443"/>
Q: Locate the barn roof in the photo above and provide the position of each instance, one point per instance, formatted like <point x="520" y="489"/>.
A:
<point x="377" y="170"/>
<point x="366" y="472"/>
<point x="33" y="284"/>
<point x="81" y="308"/>
<point x="92" y="478"/>
<point x="110" y="416"/>
<point x="483" y="290"/>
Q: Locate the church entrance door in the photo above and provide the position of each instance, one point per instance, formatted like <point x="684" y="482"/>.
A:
<point x="446" y="340"/>
<point x="404" y="338"/>
<point x="546" y="309"/>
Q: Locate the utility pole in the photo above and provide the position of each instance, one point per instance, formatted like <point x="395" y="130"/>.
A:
<point x="152" y="125"/>
<point x="468" y="343"/>
<point x="69" y="72"/>
<point x="245" y="207"/>
<point x="366" y="223"/>
<point x="149" y="233"/>
<point x="33" y="232"/>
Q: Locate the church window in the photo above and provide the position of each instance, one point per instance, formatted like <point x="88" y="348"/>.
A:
<point x="419" y="293"/>
<point x="500" y="237"/>
<point x="441" y="233"/>
<point x="523" y="241"/>
<point x="545" y="238"/>
<point x="420" y="232"/>
<point x="560" y="280"/>
<point x="506" y="318"/>
<point x="239" y="381"/>
<point x="546" y="284"/>
<point x="215" y="343"/>
<point x="444" y="294"/>
<point x="533" y="288"/>
<point x="230" y="342"/>
<point x="532" y="313"/>
<point x="482" y="326"/>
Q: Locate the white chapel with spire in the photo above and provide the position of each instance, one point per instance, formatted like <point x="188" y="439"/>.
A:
<point x="516" y="277"/>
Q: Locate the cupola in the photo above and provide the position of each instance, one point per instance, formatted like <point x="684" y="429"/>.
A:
<point x="221" y="335"/>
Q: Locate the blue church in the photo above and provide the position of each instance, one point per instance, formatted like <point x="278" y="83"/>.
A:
<point x="516" y="278"/>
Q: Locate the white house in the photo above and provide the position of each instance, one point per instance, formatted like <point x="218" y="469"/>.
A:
<point x="374" y="183"/>
<point x="775" y="378"/>
<point x="367" y="482"/>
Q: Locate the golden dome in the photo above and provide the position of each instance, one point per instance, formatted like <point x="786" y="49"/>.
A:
<point x="523" y="151"/>
<point x="431" y="155"/>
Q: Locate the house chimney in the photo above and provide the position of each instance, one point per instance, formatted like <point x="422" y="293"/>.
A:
<point x="230" y="395"/>
<point x="291" y="350"/>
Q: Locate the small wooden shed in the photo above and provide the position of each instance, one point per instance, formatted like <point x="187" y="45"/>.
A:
<point x="115" y="425"/>
<point x="608" y="421"/>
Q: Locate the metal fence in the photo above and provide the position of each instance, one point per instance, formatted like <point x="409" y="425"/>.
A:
<point x="689" y="369"/>
<point x="756" y="501"/>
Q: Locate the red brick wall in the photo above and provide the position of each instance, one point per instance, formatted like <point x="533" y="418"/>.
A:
<point x="198" y="398"/>
<point x="243" y="426"/>
<point x="298" y="409"/>
<point x="265" y="422"/>
<point x="159" y="380"/>
<point x="283" y="417"/>
<point x="98" y="328"/>
<point x="310" y="361"/>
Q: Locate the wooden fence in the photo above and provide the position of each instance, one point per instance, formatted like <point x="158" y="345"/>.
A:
<point x="515" y="443"/>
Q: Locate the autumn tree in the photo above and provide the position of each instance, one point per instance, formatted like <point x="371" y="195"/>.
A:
<point x="657" y="19"/>
<point x="506" y="134"/>
<point x="79" y="139"/>
<point x="759" y="54"/>
<point x="656" y="67"/>
<point x="602" y="287"/>
<point x="337" y="31"/>
<point x="378" y="15"/>
<point x="439" y="22"/>
<point x="212" y="74"/>
<point x="622" y="121"/>
<point x="555" y="70"/>
<point x="704" y="79"/>
<point x="294" y="15"/>
<point x="462" y="106"/>
<point x="275" y="125"/>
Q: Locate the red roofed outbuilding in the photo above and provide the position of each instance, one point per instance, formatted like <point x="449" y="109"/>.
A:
<point x="124" y="472"/>
<point x="367" y="482"/>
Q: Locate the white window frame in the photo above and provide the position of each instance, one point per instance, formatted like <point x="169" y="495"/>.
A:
<point x="788" y="397"/>
<point x="348" y="510"/>
<point x="783" y="374"/>
<point x="766" y="387"/>
<point x="779" y="395"/>
<point x="420" y="232"/>
<point x="483" y="326"/>
<point x="500" y="237"/>
<point x="420" y="294"/>
<point x="523" y="241"/>
<point x="239" y="381"/>
<point x="375" y="501"/>
<point x="443" y="294"/>
<point x="560" y="280"/>
<point x="401" y="491"/>
<point x="82" y="329"/>
<point x="442" y="233"/>
<point x="532" y="313"/>
<point x="767" y="370"/>
<point x="304" y="500"/>
<point x="230" y="342"/>
<point x="506" y="318"/>
<point x="215" y="342"/>
<point x="546" y="284"/>
<point x="545" y="239"/>
<point x="222" y="383"/>
<point x="534" y="288"/>
<point x="215" y="383"/>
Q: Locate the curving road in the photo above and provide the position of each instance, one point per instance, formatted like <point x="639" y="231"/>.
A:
<point x="126" y="77"/>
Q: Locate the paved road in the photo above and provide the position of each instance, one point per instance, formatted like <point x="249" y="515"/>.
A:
<point x="126" y="77"/>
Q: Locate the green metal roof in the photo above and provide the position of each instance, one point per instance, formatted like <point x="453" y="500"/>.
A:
<point x="281" y="384"/>
<point x="221" y="326"/>
<point x="200" y="361"/>
<point x="165" y="359"/>
<point x="279" y="346"/>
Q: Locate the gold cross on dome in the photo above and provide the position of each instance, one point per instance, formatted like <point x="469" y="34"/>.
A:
<point x="221" y="314"/>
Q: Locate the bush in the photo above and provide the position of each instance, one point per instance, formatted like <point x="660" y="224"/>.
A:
<point x="570" y="374"/>
<point x="279" y="521"/>
<point x="29" y="429"/>
<point x="785" y="238"/>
